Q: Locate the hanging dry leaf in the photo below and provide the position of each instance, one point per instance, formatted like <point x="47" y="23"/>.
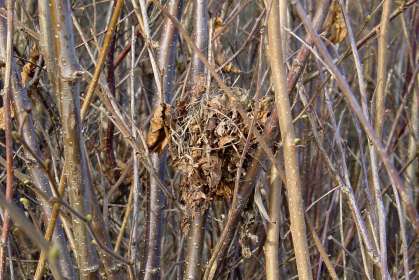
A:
<point x="157" y="138"/>
<point x="335" y="26"/>
<point x="3" y="119"/>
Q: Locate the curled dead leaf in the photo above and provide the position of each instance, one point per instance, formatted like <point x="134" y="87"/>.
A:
<point x="335" y="26"/>
<point x="157" y="137"/>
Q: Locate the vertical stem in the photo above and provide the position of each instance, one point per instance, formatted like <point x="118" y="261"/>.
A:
<point x="382" y="67"/>
<point x="135" y="189"/>
<point x="166" y="66"/>
<point x="152" y="268"/>
<point x="379" y="124"/>
<point x="201" y="37"/>
<point x="283" y="18"/>
<point x="272" y="234"/>
<point x="411" y="171"/>
<point x="273" y="231"/>
<point x="153" y="231"/>
<point x="194" y="248"/>
<point x="59" y="50"/>
<point x="373" y="154"/>
<point x="167" y="55"/>
<point x="293" y="183"/>
<point x="49" y="231"/>
<point x="196" y="233"/>
<point x="413" y="140"/>
<point x="110" y="160"/>
<point x="342" y="236"/>
<point x="8" y="134"/>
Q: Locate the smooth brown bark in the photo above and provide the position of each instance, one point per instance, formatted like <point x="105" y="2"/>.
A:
<point x="292" y="173"/>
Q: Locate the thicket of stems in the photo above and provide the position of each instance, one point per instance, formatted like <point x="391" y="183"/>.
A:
<point x="325" y="101"/>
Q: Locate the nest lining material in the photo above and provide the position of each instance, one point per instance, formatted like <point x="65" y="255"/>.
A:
<point x="207" y="139"/>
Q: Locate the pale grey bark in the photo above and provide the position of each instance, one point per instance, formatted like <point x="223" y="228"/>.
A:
<point x="64" y="71"/>
<point x="40" y="179"/>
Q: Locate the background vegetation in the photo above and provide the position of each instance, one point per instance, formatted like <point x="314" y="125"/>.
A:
<point x="209" y="139"/>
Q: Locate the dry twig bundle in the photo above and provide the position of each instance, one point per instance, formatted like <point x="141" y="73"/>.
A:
<point x="207" y="138"/>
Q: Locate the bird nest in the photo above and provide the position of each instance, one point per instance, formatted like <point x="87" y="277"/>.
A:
<point x="207" y="138"/>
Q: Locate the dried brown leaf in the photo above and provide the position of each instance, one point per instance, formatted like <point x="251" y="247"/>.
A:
<point x="3" y="119"/>
<point x="157" y="138"/>
<point x="335" y="26"/>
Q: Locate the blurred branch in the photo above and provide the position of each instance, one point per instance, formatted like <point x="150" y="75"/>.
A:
<point x="102" y="57"/>
<point x="355" y="107"/>
<point x="7" y="105"/>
